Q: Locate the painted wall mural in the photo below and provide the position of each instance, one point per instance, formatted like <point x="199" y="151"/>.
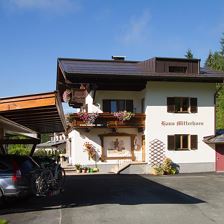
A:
<point x="116" y="146"/>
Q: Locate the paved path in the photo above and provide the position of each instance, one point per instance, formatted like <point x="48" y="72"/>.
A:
<point x="127" y="199"/>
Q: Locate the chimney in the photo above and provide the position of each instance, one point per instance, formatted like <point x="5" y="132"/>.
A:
<point x="118" y="58"/>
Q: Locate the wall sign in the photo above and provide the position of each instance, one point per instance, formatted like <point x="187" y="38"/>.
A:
<point x="181" y="123"/>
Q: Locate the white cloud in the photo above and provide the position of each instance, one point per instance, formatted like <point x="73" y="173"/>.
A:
<point x="43" y="5"/>
<point x="137" y="29"/>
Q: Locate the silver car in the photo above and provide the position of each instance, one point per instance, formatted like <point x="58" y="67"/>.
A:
<point x="15" y="175"/>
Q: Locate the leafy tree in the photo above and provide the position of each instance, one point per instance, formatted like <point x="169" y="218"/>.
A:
<point x="41" y="152"/>
<point x="45" y="137"/>
<point x="215" y="61"/>
<point x="189" y="54"/>
<point x="19" y="149"/>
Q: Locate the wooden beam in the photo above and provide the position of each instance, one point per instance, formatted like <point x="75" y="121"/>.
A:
<point x="19" y="141"/>
<point x="30" y="114"/>
<point x="28" y="97"/>
<point x="32" y="103"/>
<point x="45" y="123"/>
<point x="60" y="111"/>
<point x="34" y="111"/>
<point x="48" y="118"/>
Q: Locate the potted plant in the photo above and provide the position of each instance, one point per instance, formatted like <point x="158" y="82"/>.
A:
<point x="95" y="169"/>
<point x="90" y="150"/>
<point x="88" y="118"/>
<point x="123" y="115"/>
<point x="85" y="169"/>
<point x="77" y="166"/>
<point x="67" y="95"/>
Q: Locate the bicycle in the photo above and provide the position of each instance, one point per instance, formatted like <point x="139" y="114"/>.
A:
<point x="48" y="181"/>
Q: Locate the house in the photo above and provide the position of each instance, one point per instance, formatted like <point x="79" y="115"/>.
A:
<point x="172" y="109"/>
<point x="57" y="142"/>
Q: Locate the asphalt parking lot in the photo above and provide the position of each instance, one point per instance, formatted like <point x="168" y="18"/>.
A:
<point x="122" y="199"/>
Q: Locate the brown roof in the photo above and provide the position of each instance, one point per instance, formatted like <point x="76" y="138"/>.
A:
<point x="81" y="66"/>
<point x="130" y="69"/>
<point x="128" y="75"/>
<point x="42" y="113"/>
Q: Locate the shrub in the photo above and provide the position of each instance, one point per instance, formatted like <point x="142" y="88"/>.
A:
<point x="167" y="168"/>
<point x="3" y="221"/>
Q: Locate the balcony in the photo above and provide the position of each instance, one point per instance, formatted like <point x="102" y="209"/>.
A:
<point x="108" y="120"/>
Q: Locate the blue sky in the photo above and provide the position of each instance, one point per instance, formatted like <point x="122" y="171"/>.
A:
<point x="34" y="33"/>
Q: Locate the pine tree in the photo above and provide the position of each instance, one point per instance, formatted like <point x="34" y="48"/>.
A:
<point x="209" y="60"/>
<point x="189" y="54"/>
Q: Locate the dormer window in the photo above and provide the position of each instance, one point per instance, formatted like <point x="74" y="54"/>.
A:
<point x="182" y="105"/>
<point x="178" y="69"/>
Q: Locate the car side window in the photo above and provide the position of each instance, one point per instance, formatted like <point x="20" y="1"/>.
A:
<point x="26" y="166"/>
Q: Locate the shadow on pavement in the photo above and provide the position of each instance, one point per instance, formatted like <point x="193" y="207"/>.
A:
<point x="104" y="189"/>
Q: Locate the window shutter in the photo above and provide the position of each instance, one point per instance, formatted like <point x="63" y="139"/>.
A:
<point x="106" y="106"/>
<point x="170" y="105"/>
<point x="194" y="141"/>
<point x="129" y="105"/>
<point x="194" y="105"/>
<point x="171" y="142"/>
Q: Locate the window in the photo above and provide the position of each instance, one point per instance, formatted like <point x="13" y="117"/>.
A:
<point x="182" y="105"/>
<point x="178" y="69"/>
<point x="117" y="105"/>
<point x="182" y="142"/>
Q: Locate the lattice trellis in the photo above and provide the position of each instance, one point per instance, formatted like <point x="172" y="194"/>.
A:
<point x="157" y="152"/>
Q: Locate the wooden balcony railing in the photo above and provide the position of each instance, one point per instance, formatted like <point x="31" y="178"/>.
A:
<point x="108" y="120"/>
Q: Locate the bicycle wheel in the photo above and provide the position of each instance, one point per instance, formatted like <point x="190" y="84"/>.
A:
<point x="61" y="179"/>
<point x="44" y="182"/>
<point x="33" y="182"/>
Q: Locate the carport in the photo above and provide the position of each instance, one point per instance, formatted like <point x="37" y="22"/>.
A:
<point x="218" y="142"/>
<point x="30" y="115"/>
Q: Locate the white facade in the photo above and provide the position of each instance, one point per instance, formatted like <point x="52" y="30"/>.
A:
<point x="158" y="124"/>
<point x="157" y="115"/>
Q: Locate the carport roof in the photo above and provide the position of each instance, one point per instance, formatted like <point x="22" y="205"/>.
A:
<point x="42" y="113"/>
<point x="219" y="139"/>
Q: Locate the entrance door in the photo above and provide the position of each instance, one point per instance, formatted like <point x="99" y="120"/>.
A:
<point x="220" y="157"/>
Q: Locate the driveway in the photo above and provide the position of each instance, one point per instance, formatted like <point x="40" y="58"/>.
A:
<point x="131" y="199"/>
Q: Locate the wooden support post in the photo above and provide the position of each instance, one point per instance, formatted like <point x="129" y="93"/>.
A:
<point x="2" y="133"/>
<point x="3" y="149"/>
<point x="33" y="149"/>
